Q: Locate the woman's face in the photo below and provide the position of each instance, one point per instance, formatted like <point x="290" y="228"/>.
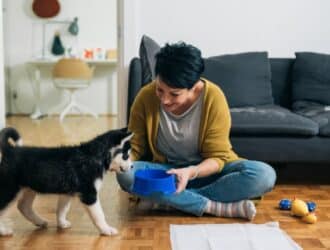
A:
<point x="173" y="100"/>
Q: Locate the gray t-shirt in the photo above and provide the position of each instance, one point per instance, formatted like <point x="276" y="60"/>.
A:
<point x="178" y="135"/>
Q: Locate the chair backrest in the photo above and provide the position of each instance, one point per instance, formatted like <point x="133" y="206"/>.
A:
<point x="72" y="68"/>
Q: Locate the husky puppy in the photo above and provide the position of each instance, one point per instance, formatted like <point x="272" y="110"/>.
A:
<point x="66" y="171"/>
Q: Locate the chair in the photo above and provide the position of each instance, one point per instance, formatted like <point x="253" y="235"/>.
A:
<point x="72" y="74"/>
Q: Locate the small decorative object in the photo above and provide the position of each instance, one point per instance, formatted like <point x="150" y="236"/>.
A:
<point x="46" y="8"/>
<point x="73" y="27"/>
<point x="285" y="204"/>
<point x="111" y="54"/>
<point x="57" y="47"/>
<point x="310" y="218"/>
<point x="99" y="54"/>
<point x="72" y="52"/>
<point x="299" y="208"/>
<point x="311" y="206"/>
<point x="88" y="54"/>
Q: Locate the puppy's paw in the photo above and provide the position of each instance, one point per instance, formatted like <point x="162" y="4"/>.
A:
<point x="109" y="231"/>
<point x="5" y="231"/>
<point x="64" y="224"/>
<point x="42" y="223"/>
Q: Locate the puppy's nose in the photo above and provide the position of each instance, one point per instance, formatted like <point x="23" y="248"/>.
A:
<point x="131" y="166"/>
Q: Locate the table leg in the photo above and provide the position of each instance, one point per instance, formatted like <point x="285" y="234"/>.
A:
<point x="36" y="91"/>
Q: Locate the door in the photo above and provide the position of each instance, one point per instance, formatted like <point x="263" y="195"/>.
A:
<point x="127" y="48"/>
<point x="2" y="79"/>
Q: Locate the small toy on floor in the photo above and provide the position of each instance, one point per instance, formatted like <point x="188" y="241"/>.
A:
<point x="311" y="206"/>
<point x="300" y="208"/>
<point x="285" y="204"/>
<point x="310" y="218"/>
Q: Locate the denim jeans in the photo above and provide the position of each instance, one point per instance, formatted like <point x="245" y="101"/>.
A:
<point x="238" y="180"/>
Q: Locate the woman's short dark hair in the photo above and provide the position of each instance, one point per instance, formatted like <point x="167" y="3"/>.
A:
<point x="179" y="65"/>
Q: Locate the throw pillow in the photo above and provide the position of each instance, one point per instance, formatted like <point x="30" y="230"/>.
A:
<point x="244" y="78"/>
<point x="311" y="78"/>
<point x="147" y="53"/>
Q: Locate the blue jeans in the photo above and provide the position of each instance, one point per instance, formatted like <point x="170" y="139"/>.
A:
<point x="238" y="180"/>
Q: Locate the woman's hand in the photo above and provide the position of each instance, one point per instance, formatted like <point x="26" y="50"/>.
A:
<point x="183" y="175"/>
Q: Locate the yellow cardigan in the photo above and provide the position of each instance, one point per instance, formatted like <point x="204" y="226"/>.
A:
<point x="214" y="125"/>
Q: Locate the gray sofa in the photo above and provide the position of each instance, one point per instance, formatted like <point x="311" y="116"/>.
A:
<point x="279" y="106"/>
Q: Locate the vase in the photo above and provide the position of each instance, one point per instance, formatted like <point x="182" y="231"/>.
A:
<point x="57" y="47"/>
<point x="73" y="28"/>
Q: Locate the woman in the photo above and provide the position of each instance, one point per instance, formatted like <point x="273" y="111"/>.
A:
<point x="165" y="117"/>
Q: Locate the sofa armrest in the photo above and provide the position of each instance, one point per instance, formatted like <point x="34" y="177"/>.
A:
<point x="134" y="82"/>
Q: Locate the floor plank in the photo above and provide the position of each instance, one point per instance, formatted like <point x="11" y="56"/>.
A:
<point x="140" y="230"/>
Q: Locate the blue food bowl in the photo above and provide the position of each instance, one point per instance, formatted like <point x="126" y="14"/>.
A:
<point x="148" y="181"/>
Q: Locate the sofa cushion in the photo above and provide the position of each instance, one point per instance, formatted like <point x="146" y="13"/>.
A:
<point x="317" y="112"/>
<point x="245" y="78"/>
<point x="281" y="69"/>
<point x="325" y="130"/>
<point x="147" y="52"/>
<point x="284" y="149"/>
<point x="270" y="120"/>
<point x="311" y="78"/>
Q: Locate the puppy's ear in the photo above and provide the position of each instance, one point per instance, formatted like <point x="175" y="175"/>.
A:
<point x="129" y="135"/>
<point x="124" y="130"/>
<point x="125" y="139"/>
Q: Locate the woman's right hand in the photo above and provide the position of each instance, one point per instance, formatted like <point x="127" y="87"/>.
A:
<point x="183" y="176"/>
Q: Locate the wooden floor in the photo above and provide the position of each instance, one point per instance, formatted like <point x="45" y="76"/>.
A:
<point x="140" y="230"/>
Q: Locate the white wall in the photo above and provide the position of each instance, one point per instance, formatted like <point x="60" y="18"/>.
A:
<point x="23" y="40"/>
<point x="128" y="41"/>
<point x="280" y="27"/>
<point x="2" y="85"/>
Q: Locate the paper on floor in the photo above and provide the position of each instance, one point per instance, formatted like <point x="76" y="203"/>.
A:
<point x="231" y="237"/>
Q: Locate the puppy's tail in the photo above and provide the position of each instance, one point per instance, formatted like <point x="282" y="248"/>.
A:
<point x="9" y="133"/>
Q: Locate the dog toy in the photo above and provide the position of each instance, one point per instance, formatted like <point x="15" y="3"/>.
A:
<point x="310" y="218"/>
<point x="311" y="206"/>
<point x="299" y="208"/>
<point x="285" y="204"/>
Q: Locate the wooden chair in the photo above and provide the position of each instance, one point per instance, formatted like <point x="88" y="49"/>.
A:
<point x="72" y="74"/>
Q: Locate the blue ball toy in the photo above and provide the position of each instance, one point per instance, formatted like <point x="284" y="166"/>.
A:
<point x="285" y="204"/>
<point x="311" y="206"/>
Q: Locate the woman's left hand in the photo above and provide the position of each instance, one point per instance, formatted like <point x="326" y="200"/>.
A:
<point x="183" y="176"/>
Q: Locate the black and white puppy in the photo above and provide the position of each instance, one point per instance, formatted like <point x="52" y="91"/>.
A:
<point x="66" y="171"/>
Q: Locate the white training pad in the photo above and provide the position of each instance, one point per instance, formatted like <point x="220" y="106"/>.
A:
<point x="231" y="237"/>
